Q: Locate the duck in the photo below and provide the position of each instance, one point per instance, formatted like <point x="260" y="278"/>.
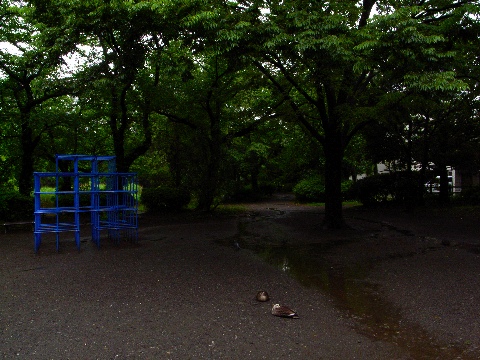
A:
<point x="284" y="311"/>
<point x="262" y="296"/>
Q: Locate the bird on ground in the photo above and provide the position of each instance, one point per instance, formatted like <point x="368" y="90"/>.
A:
<point x="284" y="311"/>
<point x="236" y="245"/>
<point x="263" y="296"/>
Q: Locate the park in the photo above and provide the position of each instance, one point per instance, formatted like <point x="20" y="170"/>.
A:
<point x="161" y="162"/>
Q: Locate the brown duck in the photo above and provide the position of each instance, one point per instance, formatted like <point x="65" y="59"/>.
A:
<point x="262" y="296"/>
<point x="284" y="311"/>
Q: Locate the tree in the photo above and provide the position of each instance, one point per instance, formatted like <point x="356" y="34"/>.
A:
<point x="33" y="77"/>
<point x="428" y="111"/>
<point x="308" y="57"/>
<point x="123" y="73"/>
<point x="218" y="101"/>
<point x="333" y="61"/>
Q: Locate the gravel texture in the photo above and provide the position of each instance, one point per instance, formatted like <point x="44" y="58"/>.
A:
<point x="388" y="288"/>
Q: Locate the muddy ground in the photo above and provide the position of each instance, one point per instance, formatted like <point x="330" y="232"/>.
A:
<point x="395" y="285"/>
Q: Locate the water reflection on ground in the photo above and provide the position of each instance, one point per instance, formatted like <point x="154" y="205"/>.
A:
<point x="347" y="285"/>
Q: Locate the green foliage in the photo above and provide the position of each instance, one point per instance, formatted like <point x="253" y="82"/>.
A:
<point x="177" y="76"/>
<point x="347" y="190"/>
<point x="372" y="189"/>
<point x="310" y="189"/>
<point x="434" y="81"/>
<point x="399" y="187"/>
<point x="164" y="198"/>
<point x="151" y="171"/>
<point x="15" y="206"/>
<point x="67" y="200"/>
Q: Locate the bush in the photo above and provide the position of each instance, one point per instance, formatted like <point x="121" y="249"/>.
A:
<point x="14" y="206"/>
<point x="372" y="189"/>
<point x="310" y="189"/>
<point x="470" y="196"/>
<point x="347" y="190"/>
<point x="164" y="198"/>
<point x="399" y="187"/>
<point x="408" y="188"/>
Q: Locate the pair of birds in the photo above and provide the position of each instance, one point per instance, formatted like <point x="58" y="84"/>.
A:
<point x="277" y="309"/>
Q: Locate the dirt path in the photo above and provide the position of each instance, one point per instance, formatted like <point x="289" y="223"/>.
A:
<point x="185" y="292"/>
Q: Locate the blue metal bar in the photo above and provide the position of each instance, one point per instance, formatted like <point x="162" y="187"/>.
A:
<point x="113" y="200"/>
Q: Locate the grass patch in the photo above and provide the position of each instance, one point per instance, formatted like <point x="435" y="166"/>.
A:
<point x="230" y="209"/>
<point x="348" y="203"/>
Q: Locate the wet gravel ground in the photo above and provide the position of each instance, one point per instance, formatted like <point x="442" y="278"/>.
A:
<point x="184" y="292"/>
<point x="434" y="276"/>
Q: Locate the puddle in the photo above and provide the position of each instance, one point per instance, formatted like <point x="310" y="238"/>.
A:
<point x="350" y="290"/>
<point x="375" y="317"/>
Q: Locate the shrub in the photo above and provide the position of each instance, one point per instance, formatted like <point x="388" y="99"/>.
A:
<point x="407" y="188"/>
<point x="310" y="189"/>
<point x="470" y="196"/>
<point x="164" y="198"/>
<point x="372" y="189"/>
<point x="14" y="206"/>
<point x="398" y="187"/>
<point x="347" y="190"/>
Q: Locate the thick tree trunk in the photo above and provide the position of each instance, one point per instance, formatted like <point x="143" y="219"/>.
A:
<point x="254" y="171"/>
<point x="208" y="190"/>
<point x="25" y="180"/>
<point x="333" y="181"/>
<point x="210" y="180"/>
<point x="122" y="166"/>
<point x="444" y="195"/>
<point x="119" y="120"/>
<point x="213" y="157"/>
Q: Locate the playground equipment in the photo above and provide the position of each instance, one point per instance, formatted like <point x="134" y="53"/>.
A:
<point x="93" y="187"/>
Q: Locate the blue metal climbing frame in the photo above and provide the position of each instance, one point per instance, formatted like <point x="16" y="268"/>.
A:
<point x="115" y="206"/>
<point x="93" y="186"/>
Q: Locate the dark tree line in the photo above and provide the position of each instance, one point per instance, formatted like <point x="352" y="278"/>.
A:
<point x="207" y="95"/>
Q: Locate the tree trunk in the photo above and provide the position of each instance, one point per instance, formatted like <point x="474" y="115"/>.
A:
<point x="214" y="154"/>
<point x="444" y="195"/>
<point x="207" y="192"/>
<point x="333" y="181"/>
<point x="25" y="181"/>
<point x="254" y="171"/>
<point x="211" y="177"/>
